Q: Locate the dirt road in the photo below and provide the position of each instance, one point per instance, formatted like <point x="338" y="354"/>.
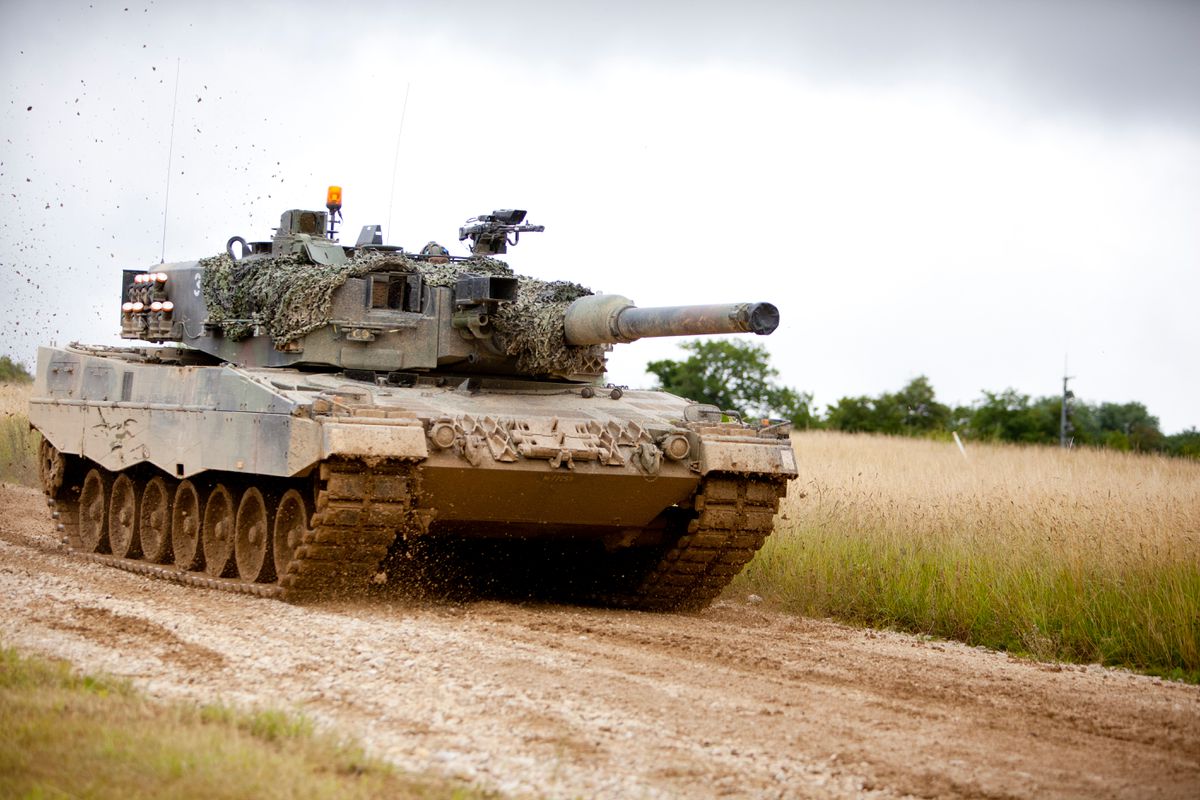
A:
<point x="561" y="701"/>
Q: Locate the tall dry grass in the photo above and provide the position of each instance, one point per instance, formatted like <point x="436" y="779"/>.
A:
<point x="1084" y="555"/>
<point x="18" y="444"/>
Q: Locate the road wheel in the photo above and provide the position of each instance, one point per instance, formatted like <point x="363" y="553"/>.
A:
<point x="291" y="524"/>
<point x="123" y="517"/>
<point x="93" y="511"/>
<point x="185" y="526"/>
<point x="154" y="523"/>
<point x="252" y="542"/>
<point x="217" y="532"/>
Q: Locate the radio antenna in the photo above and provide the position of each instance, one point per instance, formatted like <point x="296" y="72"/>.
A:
<point x="162" y="257"/>
<point x="396" y="160"/>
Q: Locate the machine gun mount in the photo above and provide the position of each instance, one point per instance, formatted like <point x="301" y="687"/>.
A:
<point x="489" y="232"/>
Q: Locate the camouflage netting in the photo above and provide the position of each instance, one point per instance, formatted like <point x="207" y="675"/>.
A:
<point x="532" y="329"/>
<point x="287" y="297"/>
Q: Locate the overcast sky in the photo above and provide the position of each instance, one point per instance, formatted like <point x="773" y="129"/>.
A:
<point x="968" y="191"/>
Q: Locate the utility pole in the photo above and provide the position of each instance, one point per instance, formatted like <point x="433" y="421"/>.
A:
<point x="1064" y="426"/>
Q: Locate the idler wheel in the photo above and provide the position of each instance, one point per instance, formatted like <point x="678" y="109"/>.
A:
<point x="185" y="526"/>
<point x="93" y="511"/>
<point x="252" y="540"/>
<point x="217" y="532"/>
<point x="154" y="522"/>
<point x="291" y="523"/>
<point x="123" y="518"/>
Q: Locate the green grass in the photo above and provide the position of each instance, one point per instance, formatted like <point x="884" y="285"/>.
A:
<point x="71" y="735"/>
<point x="1144" y="617"/>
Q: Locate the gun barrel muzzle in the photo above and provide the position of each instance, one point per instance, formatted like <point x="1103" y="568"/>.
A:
<point x="610" y="318"/>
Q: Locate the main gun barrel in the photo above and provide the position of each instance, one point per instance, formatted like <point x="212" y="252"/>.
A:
<point x="611" y="318"/>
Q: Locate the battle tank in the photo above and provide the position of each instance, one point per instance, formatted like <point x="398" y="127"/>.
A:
<point x="312" y="415"/>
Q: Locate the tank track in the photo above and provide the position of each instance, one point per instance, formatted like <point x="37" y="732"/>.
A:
<point x="359" y="514"/>
<point x="173" y="574"/>
<point x="360" y="511"/>
<point x="734" y="516"/>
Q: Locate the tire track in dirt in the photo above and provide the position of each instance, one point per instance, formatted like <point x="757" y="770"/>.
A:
<point x="567" y="701"/>
<point x="129" y="632"/>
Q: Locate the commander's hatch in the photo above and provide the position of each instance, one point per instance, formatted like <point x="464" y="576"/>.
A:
<point x="302" y="231"/>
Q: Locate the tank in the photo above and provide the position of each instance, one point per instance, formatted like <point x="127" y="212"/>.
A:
<point x="300" y="419"/>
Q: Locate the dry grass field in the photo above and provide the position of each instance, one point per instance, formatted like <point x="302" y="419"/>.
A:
<point x="18" y="444"/>
<point x="1081" y="555"/>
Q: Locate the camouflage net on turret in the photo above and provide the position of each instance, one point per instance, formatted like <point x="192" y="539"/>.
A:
<point x="287" y="297"/>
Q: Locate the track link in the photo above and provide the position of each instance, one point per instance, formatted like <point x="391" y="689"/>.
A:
<point x="735" y="515"/>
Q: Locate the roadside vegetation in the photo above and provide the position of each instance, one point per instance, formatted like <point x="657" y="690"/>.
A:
<point x="738" y="376"/>
<point x="18" y="444"/>
<point x="13" y="371"/>
<point x="71" y="735"/>
<point x="1082" y="555"/>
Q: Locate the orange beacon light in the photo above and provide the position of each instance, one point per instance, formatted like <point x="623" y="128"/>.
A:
<point x="333" y="201"/>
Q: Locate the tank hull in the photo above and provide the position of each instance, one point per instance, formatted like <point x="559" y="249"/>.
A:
<point x="376" y="466"/>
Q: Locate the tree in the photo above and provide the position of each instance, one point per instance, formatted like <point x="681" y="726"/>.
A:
<point x="13" y="371"/>
<point x="1005" y="416"/>
<point x="1045" y="420"/>
<point x="1010" y="417"/>
<point x="1129" y="426"/>
<point x="735" y="376"/>
<point x="1185" y="443"/>
<point x="852" y="415"/>
<point x="913" y="410"/>
<point x="1083" y="429"/>
<point x="919" y="410"/>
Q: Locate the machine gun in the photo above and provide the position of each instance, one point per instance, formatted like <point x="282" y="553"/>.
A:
<point x="489" y="232"/>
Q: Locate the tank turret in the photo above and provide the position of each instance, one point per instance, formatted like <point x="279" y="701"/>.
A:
<point x="303" y="300"/>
